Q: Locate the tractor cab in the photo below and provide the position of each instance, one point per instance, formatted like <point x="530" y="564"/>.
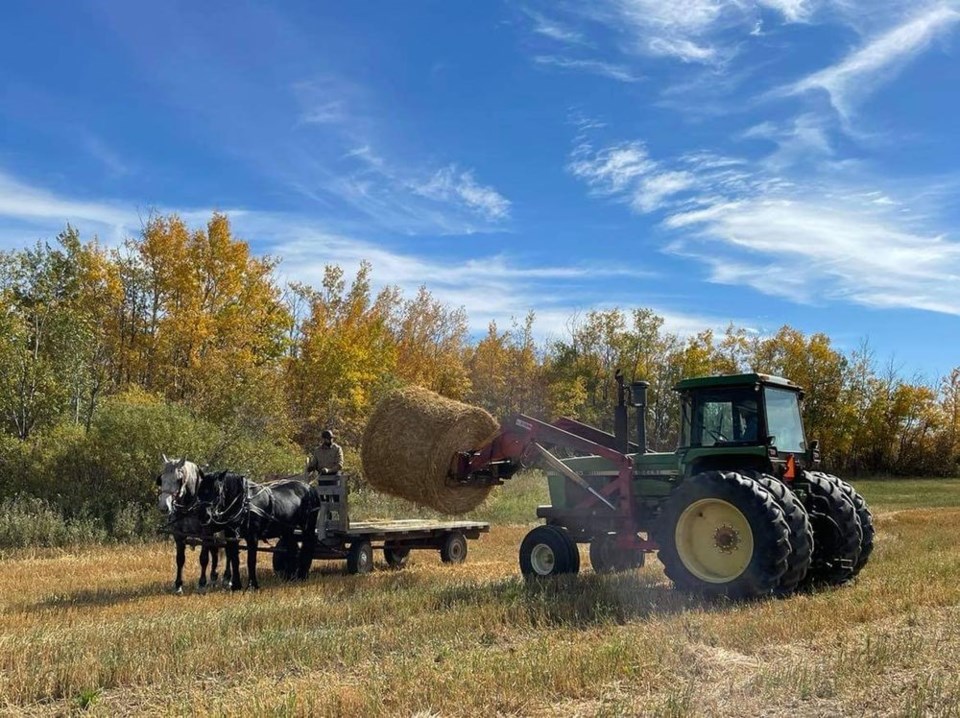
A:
<point x="742" y="420"/>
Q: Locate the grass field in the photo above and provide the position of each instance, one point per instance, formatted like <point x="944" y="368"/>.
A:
<point x="98" y="630"/>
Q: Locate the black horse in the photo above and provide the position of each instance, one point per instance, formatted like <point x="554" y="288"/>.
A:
<point x="187" y="517"/>
<point x="254" y="511"/>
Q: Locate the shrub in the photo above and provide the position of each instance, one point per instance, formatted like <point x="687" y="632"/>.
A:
<point x="27" y="521"/>
<point x="101" y="482"/>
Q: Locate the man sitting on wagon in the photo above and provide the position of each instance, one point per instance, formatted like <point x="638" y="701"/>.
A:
<point x="327" y="458"/>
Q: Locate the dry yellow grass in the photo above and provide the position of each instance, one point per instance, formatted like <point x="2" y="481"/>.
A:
<point x="99" y="629"/>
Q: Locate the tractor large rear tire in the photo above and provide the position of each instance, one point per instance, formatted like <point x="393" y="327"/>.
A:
<point x="866" y="521"/>
<point x="723" y="534"/>
<point x="801" y="532"/>
<point x="837" y="534"/>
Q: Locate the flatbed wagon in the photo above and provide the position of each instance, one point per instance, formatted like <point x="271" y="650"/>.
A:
<point x="339" y="538"/>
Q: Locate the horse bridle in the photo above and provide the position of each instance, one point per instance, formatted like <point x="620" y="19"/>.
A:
<point x="179" y="509"/>
<point x="238" y="505"/>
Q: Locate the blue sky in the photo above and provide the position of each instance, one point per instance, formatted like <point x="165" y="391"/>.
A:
<point x="765" y="162"/>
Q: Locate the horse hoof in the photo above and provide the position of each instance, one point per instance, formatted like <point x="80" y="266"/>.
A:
<point x="213" y="577"/>
<point x="178" y="591"/>
<point x="201" y="585"/>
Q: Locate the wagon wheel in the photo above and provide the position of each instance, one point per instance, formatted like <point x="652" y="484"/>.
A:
<point x="396" y="556"/>
<point x="454" y="548"/>
<point x="285" y="558"/>
<point x="360" y="557"/>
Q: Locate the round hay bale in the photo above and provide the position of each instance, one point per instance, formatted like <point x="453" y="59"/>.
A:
<point x="409" y="444"/>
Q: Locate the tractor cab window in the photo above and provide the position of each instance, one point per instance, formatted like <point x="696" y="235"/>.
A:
<point x="783" y="419"/>
<point x="720" y="417"/>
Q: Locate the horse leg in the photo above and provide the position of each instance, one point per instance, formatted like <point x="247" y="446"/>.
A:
<point x="233" y="560"/>
<point x="181" y="559"/>
<point x="204" y="560"/>
<point x="214" y="559"/>
<point x="227" y="577"/>
<point x="252" y="560"/>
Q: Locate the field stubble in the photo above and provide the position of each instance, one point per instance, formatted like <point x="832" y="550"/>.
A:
<point x="96" y="630"/>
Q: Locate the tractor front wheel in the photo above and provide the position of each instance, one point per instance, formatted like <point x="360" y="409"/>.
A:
<point x="721" y="533"/>
<point x="548" y="551"/>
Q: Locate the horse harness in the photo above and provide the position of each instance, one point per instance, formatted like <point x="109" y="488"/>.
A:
<point x="242" y="505"/>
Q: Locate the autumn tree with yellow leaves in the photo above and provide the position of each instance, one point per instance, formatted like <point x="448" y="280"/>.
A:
<point x="192" y="317"/>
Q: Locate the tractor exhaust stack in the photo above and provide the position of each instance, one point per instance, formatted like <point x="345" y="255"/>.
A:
<point x="638" y="397"/>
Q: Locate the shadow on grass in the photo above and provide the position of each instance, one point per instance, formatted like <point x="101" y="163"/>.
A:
<point x="579" y="601"/>
<point x="269" y="583"/>
<point x="104" y="596"/>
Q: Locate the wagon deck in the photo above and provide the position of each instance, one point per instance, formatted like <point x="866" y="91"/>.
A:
<point x="340" y="538"/>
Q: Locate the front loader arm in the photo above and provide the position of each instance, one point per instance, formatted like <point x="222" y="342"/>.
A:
<point x="519" y="443"/>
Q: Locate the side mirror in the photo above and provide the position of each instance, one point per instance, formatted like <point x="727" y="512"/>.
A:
<point x="771" y="440"/>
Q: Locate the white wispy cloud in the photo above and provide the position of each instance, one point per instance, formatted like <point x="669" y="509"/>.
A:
<point x="29" y="212"/>
<point x="495" y="287"/>
<point x="652" y="191"/>
<point x="105" y="155"/>
<point x="38" y="207"/>
<point x="626" y="170"/>
<point x="451" y="184"/>
<point x="620" y="73"/>
<point x="808" y="238"/>
<point x="792" y="10"/>
<point x="611" y="169"/>
<point x="694" y="31"/>
<point x="551" y="28"/>
<point x="821" y="247"/>
<point x="324" y="113"/>
<point x="854" y="78"/>
<point x="346" y="168"/>
<point x="328" y="100"/>
<point x="805" y="138"/>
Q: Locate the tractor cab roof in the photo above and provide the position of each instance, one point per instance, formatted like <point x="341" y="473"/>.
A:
<point x="732" y="380"/>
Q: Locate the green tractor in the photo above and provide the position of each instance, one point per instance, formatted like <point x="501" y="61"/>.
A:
<point x="739" y="509"/>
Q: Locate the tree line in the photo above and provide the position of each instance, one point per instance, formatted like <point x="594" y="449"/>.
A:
<point x="182" y="326"/>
